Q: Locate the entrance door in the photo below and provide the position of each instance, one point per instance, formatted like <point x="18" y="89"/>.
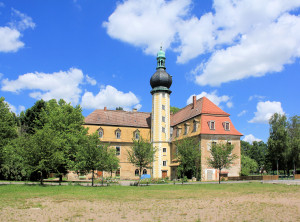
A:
<point x="164" y="174"/>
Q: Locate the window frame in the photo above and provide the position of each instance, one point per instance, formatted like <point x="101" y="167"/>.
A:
<point x="163" y="107"/>
<point x="100" y="130"/>
<point x="164" y="163"/>
<point x="225" y="126"/>
<point x="137" y="172"/>
<point x="118" y="153"/>
<point x="118" y="132"/>
<point x="212" y="123"/>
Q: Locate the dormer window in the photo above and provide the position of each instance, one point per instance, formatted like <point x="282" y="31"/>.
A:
<point x="211" y="125"/>
<point x="118" y="134"/>
<point x="100" y="133"/>
<point x="177" y="131"/>
<point x="227" y="126"/>
<point x="136" y="135"/>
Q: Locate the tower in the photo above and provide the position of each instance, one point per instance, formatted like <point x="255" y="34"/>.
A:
<point x="160" y="82"/>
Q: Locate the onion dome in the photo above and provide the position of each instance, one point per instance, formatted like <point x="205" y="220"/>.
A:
<point x="161" y="80"/>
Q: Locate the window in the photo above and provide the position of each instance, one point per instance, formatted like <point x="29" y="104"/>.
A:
<point x="136" y="172"/>
<point x="144" y="171"/>
<point x="118" y="134"/>
<point x="227" y="126"/>
<point x="177" y="132"/>
<point x="185" y="129"/>
<point x="211" y="125"/>
<point x="164" y="163"/>
<point x="213" y="143"/>
<point x="100" y="133"/>
<point x="137" y="134"/>
<point x="164" y="150"/>
<point x="163" y="129"/>
<point x="118" y="173"/>
<point x="163" y="107"/>
<point x="164" y="119"/>
<point x="194" y="126"/>
<point x="118" y="150"/>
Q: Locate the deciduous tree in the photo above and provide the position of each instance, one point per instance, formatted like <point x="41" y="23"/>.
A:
<point x="221" y="157"/>
<point x="141" y="154"/>
<point x="189" y="157"/>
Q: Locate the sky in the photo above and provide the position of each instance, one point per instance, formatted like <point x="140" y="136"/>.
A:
<point x="243" y="55"/>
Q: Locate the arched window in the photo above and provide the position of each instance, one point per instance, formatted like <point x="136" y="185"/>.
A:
<point x="136" y="135"/>
<point x="136" y="172"/>
<point x="100" y="132"/>
<point x="144" y="171"/>
<point x="118" y="134"/>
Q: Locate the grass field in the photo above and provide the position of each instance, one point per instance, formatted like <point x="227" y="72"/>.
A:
<point x="203" y="202"/>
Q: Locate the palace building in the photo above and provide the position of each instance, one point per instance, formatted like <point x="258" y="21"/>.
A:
<point x="201" y="119"/>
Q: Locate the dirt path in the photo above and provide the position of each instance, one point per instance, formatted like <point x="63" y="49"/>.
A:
<point x="250" y="207"/>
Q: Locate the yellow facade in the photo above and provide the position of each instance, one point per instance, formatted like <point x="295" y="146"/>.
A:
<point x="160" y="124"/>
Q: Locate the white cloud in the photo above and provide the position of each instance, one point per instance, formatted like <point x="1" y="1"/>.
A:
<point x="90" y="80"/>
<point x="242" y="113"/>
<point x="147" y="24"/>
<point x="14" y="109"/>
<point x="212" y="97"/>
<point x="245" y="38"/>
<point x="256" y="97"/>
<point x="111" y="98"/>
<point x="250" y="138"/>
<point x="57" y="85"/>
<point x="265" y="110"/>
<point x="21" y="21"/>
<point x="9" y="40"/>
<point x="10" y="36"/>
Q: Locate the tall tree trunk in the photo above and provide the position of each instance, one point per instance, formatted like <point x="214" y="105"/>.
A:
<point x="277" y="168"/>
<point x="220" y="175"/>
<point x="92" y="178"/>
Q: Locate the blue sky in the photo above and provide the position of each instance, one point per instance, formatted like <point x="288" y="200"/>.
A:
<point x="241" y="54"/>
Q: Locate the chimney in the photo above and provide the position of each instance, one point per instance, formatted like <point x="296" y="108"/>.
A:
<point x="105" y="108"/>
<point x="194" y="102"/>
<point x="134" y="110"/>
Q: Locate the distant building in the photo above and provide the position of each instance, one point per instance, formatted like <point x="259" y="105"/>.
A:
<point x="201" y="119"/>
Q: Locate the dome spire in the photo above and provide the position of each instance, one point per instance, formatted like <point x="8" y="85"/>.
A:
<point x="161" y="58"/>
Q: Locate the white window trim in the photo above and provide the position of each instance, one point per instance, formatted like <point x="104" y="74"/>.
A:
<point x="210" y="125"/>
<point x="119" y="151"/>
<point x="225" y="123"/>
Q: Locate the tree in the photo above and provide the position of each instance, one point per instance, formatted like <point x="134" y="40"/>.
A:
<point x="92" y="156"/>
<point x="14" y="167"/>
<point x="141" y="154"/>
<point x="8" y="127"/>
<point x="112" y="161"/>
<point x="248" y="165"/>
<point x="294" y="140"/>
<point x="221" y="157"/>
<point x="189" y="156"/>
<point x="278" y="152"/>
<point x="174" y="109"/>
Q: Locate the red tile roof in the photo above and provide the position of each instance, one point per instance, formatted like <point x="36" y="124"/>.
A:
<point x="203" y="105"/>
<point x="119" y="118"/>
<point x="219" y="125"/>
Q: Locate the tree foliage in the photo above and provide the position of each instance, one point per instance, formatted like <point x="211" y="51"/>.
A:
<point x="8" y="127"/>
<point x="92" y="155"/>
<point x="174" y="109"/>
<point x="248" y="165"/>
<point x="189" y="157"/>
<point x="141" y="154"/>
<point x="221" y="157"/>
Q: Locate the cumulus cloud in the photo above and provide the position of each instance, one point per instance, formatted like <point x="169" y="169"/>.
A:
<point x="57" y="85"/>
<point x="250" y="138"/>
<point x="10" y="35"/>
<point x="265" y="110"/>
<point x="111" y="98"/>
<point x="90" y="80"/>
<point x="212" y="97"/>
<point x="245" y="38"/>
<point x="147" y="24"/>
